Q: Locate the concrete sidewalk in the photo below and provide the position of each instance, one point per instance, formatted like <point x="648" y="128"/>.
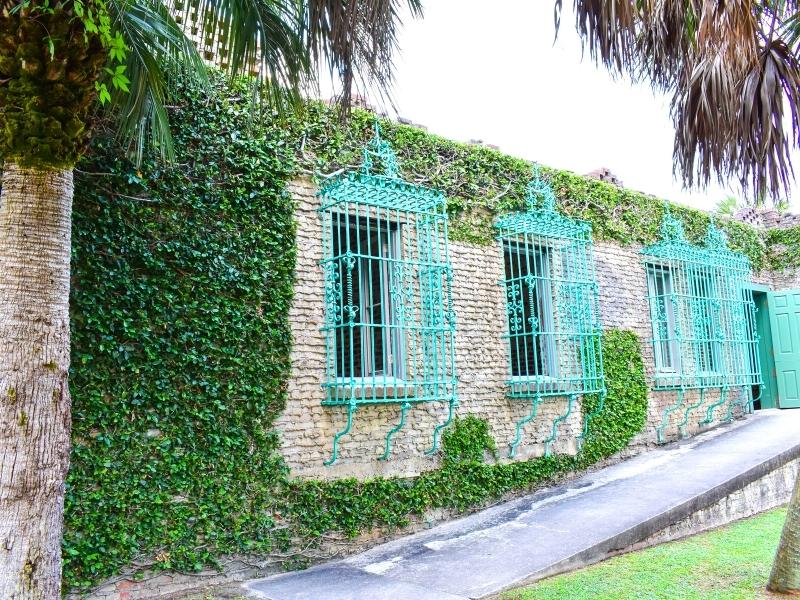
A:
<point x="558" y="528"/>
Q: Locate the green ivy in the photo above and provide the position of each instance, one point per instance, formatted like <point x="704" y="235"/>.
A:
<point x="624" y="412"/>
<point x="481" y="182"/>
<point x="468" y="440"/>
<point x="466" y="479"/>
<point x="784" y="248"/>
<point x="182" y="281"/>
<point x="182" y="285"/>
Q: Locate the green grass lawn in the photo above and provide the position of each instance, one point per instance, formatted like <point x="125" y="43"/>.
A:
<point x="730" y="563"/>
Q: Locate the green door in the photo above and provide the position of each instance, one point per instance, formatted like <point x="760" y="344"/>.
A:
<point x="766" y="353"/>
<point x="785" y="321"/>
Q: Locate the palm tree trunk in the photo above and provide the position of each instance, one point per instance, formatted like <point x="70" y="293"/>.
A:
<point x="35" y="230"/>
<point x="785" y="577"/>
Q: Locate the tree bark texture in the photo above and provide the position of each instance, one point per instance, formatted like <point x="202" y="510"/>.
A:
<point x="35" y="231"/>
<point x="785" y="577"/>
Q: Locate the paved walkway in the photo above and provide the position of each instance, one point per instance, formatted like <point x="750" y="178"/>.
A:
<point x="487" y="552"/>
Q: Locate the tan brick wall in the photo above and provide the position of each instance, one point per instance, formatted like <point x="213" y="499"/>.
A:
<point x="307" y="428"/>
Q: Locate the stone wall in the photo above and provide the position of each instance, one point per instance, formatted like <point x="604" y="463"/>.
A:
<point x="785" y="280"/>
<point x="767" y="218"/>
<point x="307" y="428"/>
<point x="772" y="490"/>
<point x="768" y="489"/>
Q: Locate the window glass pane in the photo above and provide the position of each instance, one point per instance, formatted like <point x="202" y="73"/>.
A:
<point x="528" y="290"/>
<point x="663" y="315"/>
<point x="364" y="250"/>
<point x="703" y="316"/>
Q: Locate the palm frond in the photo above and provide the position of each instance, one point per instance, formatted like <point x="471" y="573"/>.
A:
<point x="263" y="38"/>
<point x="732" y="66"/>
<point x="608" y="28"/>
<point x="258" y="37"/>
<point x="356" y="39"/>
<point x="704" y="113"/>
<point x="740" y="127"/>
<point x="666" y="40"/>
<point x="155" y="44"/>
<point x="765" y="133"/>
<point x="729" y="30"/>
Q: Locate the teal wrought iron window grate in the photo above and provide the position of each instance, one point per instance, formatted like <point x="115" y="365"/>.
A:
<point x="552" y="307"/>
<point x="702" y="315"/>
<point x="389" y="322"/>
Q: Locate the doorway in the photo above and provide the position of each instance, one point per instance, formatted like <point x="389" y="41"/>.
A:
<point x="766" y="354"/>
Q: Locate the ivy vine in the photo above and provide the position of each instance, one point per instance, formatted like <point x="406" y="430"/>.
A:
<point x="469" y="475"/>
<point x="481" y="182"/>
<point x="182" y="281"/>
<point x="784" y="248"/>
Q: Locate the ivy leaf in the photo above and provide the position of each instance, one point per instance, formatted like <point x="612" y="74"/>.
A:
<point x="119" y="80"/>
<point x="105" y="96"/>
<point x="117" y="50"/>
<point x="89" y="22"/>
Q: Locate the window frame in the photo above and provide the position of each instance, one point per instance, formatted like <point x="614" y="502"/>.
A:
<point x="703" y="288"/>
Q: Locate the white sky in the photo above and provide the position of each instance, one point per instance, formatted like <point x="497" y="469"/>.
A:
<point x="467" y="71"/>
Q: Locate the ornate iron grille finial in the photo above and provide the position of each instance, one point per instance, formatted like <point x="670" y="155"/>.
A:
<point x="552" y="309"/>
<point x="701" y="309"/>
<point x="716" y="239"/>
<point x="381" y="149"/>
<point x="672" y="227"/>
<point x="539" y="195"/>
<point x="389" y="320"/>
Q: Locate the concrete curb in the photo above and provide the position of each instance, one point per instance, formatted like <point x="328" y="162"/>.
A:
<point x="628" y="539"/>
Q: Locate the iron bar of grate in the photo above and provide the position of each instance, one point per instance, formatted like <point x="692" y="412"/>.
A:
<point x="703" y="317"/>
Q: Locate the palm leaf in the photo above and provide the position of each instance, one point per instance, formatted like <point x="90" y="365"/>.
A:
<point x="762" y="139"/>
<point x="608" y="28"/>
<point x="262" y="38"/>
<point x="156" y="44"/>
<point x="732" y="66"/>
<point x="666" y="42"/>
<point x="258" y="37"/>
<point x="356" y="39"/>
<point x="280" y="42"/>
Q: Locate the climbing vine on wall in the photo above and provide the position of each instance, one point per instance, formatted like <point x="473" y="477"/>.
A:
<point x="624" y="412"/>
<point x="469" y="475"/>
<point x="181" y="344"/>
<point x="481" y="182"/>
<point x="182" y="280"/>
<point x="784" y="248"/>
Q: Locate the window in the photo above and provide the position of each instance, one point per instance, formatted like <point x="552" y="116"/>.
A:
<point x="704" y="317"/>
<point x="367" y="251"/>
<point x="389" y="323"/>
<point x="530" y="313"/>
<point x="663" y="315"/>
<point x="552" y="310"/>
<point x="698" y="312"/>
